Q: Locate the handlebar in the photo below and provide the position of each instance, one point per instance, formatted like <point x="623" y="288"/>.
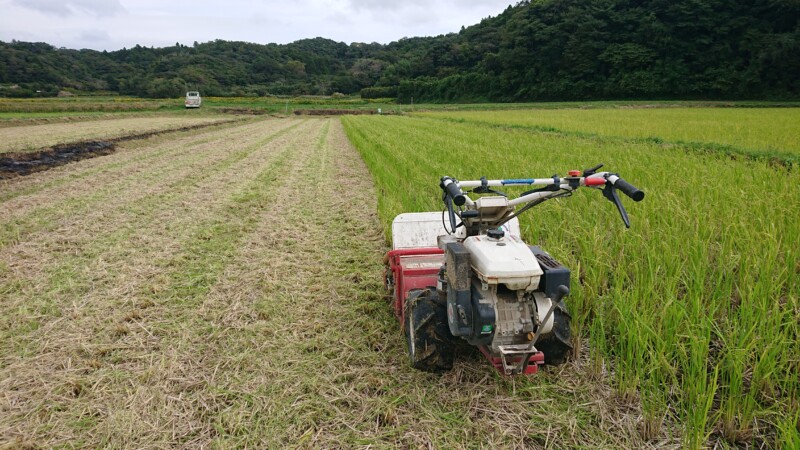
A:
<point x="626" y="188"/>
<point x="554" y="187"/>
<point x="451" y="187"/>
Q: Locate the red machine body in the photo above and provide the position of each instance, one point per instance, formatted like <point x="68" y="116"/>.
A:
<point x="412" y="268"/>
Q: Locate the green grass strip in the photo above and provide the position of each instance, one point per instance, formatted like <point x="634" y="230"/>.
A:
<point x="785" y="159"/>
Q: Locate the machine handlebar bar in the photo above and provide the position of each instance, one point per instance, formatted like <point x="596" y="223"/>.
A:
<point x="555" y="187"/>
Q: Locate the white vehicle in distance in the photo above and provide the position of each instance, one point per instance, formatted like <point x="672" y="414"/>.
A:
<point x="193" y="99"/>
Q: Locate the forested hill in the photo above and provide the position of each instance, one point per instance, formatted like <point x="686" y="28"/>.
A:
<point x="538" y="50"/>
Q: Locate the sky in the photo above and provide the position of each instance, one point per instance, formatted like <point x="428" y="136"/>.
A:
<point x="114" y="24"/>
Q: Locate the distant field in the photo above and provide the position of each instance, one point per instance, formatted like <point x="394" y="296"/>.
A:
<point x="288" y="105"/>
<point x="11" y="118"/>
<point x="21" y="138"/>
<point x="53" y="107"/>
<point x="21" y="107"/>
<point x="753" y="130"/>
<point x="90" y="105"/>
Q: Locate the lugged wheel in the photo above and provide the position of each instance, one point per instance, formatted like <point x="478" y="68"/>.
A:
<point x="556" y="344"/>
<point x="430" y="346"/>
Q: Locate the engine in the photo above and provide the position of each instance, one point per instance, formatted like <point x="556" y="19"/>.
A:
<point x="498" y="291"/>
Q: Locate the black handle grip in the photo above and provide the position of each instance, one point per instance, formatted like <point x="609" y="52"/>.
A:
<point x="452" y="189"/>
<point x="629" y="190"/>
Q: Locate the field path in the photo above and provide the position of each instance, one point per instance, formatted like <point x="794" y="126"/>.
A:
<point x="222" y="289"/>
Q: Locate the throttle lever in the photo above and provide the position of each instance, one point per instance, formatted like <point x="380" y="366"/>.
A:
<point x="592" y="171"/>
<point x="610" y="192"/>
<point x="451" y="213"/>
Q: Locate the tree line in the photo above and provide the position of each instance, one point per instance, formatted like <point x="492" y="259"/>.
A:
<point x="534" y="50"/>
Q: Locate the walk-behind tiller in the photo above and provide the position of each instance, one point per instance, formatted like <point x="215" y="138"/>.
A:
<point x="466" y="273"/>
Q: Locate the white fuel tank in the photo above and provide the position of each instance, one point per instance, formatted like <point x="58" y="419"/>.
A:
<point x="506" y="260"/>
<point x="415" y="230"/>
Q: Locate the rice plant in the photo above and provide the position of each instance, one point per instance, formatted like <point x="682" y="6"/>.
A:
<point x="695" y="309"/>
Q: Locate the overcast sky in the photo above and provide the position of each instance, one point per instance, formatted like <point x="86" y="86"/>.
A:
<point x="114" y="24"/>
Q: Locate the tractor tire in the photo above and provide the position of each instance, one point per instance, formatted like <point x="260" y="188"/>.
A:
<point x="430" y="344"/>
<point x="556" y="345"/>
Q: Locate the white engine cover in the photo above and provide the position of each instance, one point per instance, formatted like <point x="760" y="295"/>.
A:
<point x="415" y="230"/>
<point x="507" y="260"/>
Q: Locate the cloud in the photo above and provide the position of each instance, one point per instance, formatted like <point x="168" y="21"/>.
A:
<point x="125" y="23"/>
<point x="383" y="5"/>
<point x="94" y="37"/>
<point x="63" y="8"/>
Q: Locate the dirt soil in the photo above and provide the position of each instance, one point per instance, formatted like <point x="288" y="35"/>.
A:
<point x="29" y="137"/>
<point x="14" y="164"/>
<point x="222" y="288"/>
<point x="244" y="111"/>
<point x="333" y="112"/>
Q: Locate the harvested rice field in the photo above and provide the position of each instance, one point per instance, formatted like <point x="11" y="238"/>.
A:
<point x="222" y="287"/>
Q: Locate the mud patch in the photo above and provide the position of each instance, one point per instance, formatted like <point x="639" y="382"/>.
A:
<point x="15" y="164"/>
<point x="243" y="111"/>
<point x="18" y="164"/>
<point x="338" y="112"/>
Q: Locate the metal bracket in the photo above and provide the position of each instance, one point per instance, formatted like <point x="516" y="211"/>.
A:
<point x="524" y="350"/>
